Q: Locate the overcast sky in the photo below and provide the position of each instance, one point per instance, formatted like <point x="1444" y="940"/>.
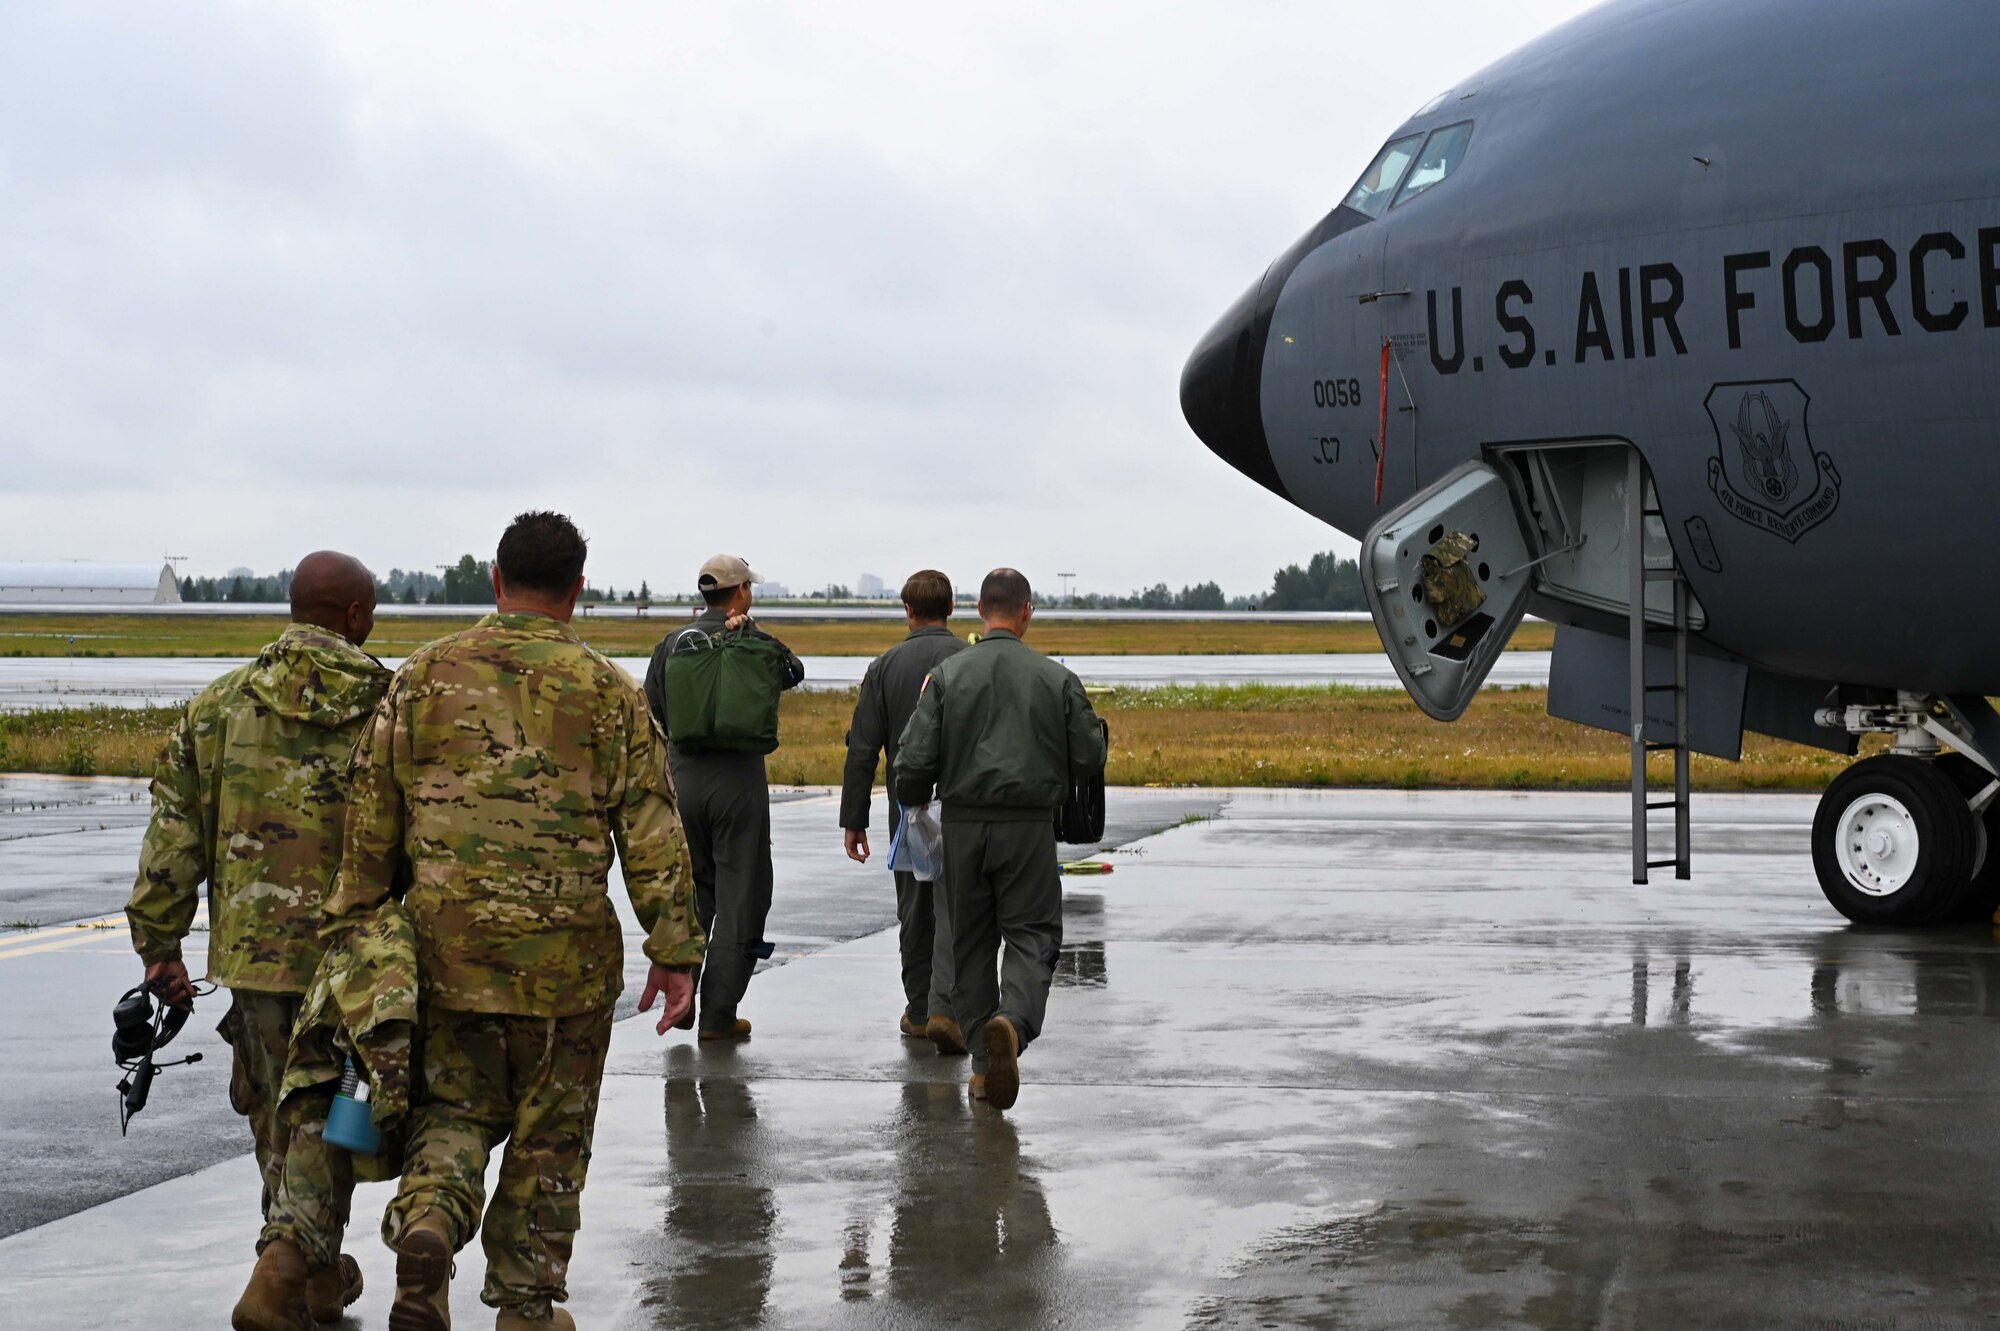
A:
<point x="842" y="288"/>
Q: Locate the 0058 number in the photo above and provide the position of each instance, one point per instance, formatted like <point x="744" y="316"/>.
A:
<point x="1336" y="392"/>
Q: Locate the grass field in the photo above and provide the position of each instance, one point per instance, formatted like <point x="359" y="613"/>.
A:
<point x="242" y="635"/>
<point x="1250" y="736"/>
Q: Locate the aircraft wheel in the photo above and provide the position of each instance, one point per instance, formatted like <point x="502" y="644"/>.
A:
<point x="1982" y="895"/>
<point x="1894" y="842"/>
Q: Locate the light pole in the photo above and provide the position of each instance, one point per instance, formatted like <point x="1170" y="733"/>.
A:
<point x="1066" y="577"/>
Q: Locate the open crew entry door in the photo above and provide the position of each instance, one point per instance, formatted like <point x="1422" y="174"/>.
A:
<point x="1448" y="573"/>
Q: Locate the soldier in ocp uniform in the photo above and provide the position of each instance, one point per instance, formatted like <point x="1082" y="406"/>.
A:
<point x="1000" y="733"/>
<point x="503" y="767"/>
<point x="249" y="797"/>
<point x="889" y="692"/>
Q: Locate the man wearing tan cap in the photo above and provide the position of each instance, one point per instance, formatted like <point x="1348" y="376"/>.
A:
<point x="725" y="802"/>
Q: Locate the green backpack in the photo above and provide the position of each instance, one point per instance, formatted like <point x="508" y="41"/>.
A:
<point x="722" y="691"/>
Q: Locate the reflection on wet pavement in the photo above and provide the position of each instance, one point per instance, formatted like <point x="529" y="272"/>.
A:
<point x="1081" y="961"/>
<point x="1082" y="966"/>
<point x="721" y="1210"/>
<point x="984" y="1215"/>
<point x="957" y="1216"/>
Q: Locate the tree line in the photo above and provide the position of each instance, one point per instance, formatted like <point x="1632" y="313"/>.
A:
<point x="468" y="582"/>
<point x="1326" y="582"/>
<point x="1159" y="596"/>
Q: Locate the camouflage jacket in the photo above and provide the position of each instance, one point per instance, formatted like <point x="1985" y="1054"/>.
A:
<point x="362" y="1002"/>
<point x="249" y="796"/>
<point x="498" y="773"/>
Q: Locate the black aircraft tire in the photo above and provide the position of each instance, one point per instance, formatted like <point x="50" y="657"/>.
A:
<point x="1916" y="859"/>
<point x="1982" y="894"/>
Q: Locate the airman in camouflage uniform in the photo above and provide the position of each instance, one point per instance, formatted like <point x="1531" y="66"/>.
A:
<point x="500" y="771"/>
<point x="249" y="797"/>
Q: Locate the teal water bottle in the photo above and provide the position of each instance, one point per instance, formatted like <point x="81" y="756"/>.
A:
<point x="349" y="1123"/>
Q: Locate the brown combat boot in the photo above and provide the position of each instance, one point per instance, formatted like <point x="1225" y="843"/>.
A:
<point x="557" y="1320"/>
<point x="978" y="1086"/>
<point x="423" y="1276"/>
<point x="913" y="1030"/>
<point x="275" y="1298"/>
<point x="740" y="1031"/>
<point x="945" y="1034"/>
<point x="1003" y="1066"/>
<point x="330" y="1289"/>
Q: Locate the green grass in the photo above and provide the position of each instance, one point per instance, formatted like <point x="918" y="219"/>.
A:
<point x="242" y="635"/>
<point x="93" y="741"/>
<point x="1254" y="735"/>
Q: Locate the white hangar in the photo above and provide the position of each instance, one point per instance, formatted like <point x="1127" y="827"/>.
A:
<point x="83" y="583"/>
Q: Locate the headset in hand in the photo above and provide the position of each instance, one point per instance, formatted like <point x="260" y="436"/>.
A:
<point x="143" y="1025"/>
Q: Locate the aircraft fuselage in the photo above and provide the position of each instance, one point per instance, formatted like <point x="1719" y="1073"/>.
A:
<point x="1759" y="243"/>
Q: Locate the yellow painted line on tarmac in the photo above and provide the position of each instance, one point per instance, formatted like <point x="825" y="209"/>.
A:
<point x="61" y="936"/>
<point x="24" y="777"/>
<point x="55" y="938"/>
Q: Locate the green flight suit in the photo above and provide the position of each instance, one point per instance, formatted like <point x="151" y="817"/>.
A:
<point x="999" y="734"/>
<point x="503" y="767"/>
<point x="725" y="802"/>
<point x="889" y="691"/>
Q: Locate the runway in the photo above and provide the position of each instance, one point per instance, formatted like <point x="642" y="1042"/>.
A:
<point x="35" y="683"/>
<point x="1365" y="1059"/>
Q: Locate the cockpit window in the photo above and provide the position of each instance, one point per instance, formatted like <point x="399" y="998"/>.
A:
<point x="1441" y="155"/>
<point x="1371" y="194"/>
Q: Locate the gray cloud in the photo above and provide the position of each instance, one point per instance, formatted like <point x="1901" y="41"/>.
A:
<point x="895" y="287"/>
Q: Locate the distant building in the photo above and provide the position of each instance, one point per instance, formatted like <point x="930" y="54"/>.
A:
<point x="771" y="591"/>
<point x="870" y="588"/>
<point x="88" y="584"/>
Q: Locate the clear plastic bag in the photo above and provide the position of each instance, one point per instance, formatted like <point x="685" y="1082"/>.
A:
<point x="919" y="845"/>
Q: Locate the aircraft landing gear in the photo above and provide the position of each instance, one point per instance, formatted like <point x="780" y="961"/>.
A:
<point x="1902" y="837"/>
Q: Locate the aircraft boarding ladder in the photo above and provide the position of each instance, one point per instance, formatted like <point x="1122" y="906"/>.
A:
<point x="1638" y="487"/>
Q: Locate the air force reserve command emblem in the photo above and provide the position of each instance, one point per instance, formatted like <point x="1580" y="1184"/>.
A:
<point x="1766" y="472"/>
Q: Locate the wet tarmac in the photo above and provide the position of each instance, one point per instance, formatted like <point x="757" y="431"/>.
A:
<point x="1360" y="1059"/>
<point x="36" y="683"/>
<point x="68" y="850"/>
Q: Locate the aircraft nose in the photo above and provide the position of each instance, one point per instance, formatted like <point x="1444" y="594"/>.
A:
<point x="1222" y="392"/>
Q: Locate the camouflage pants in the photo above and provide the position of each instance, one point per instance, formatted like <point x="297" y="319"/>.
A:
<point x="531" y="1082"/>
<point x="258" y="1028"/>
<point x="315" y="1187"/>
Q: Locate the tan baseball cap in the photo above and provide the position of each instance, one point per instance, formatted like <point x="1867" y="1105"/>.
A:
<point x="725" y="571"/>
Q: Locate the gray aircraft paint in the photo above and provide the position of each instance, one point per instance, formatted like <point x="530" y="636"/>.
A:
<point x="1646" y="148"/>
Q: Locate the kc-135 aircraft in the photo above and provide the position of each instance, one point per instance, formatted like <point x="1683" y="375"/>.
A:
<point x="1721" y="273"/>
